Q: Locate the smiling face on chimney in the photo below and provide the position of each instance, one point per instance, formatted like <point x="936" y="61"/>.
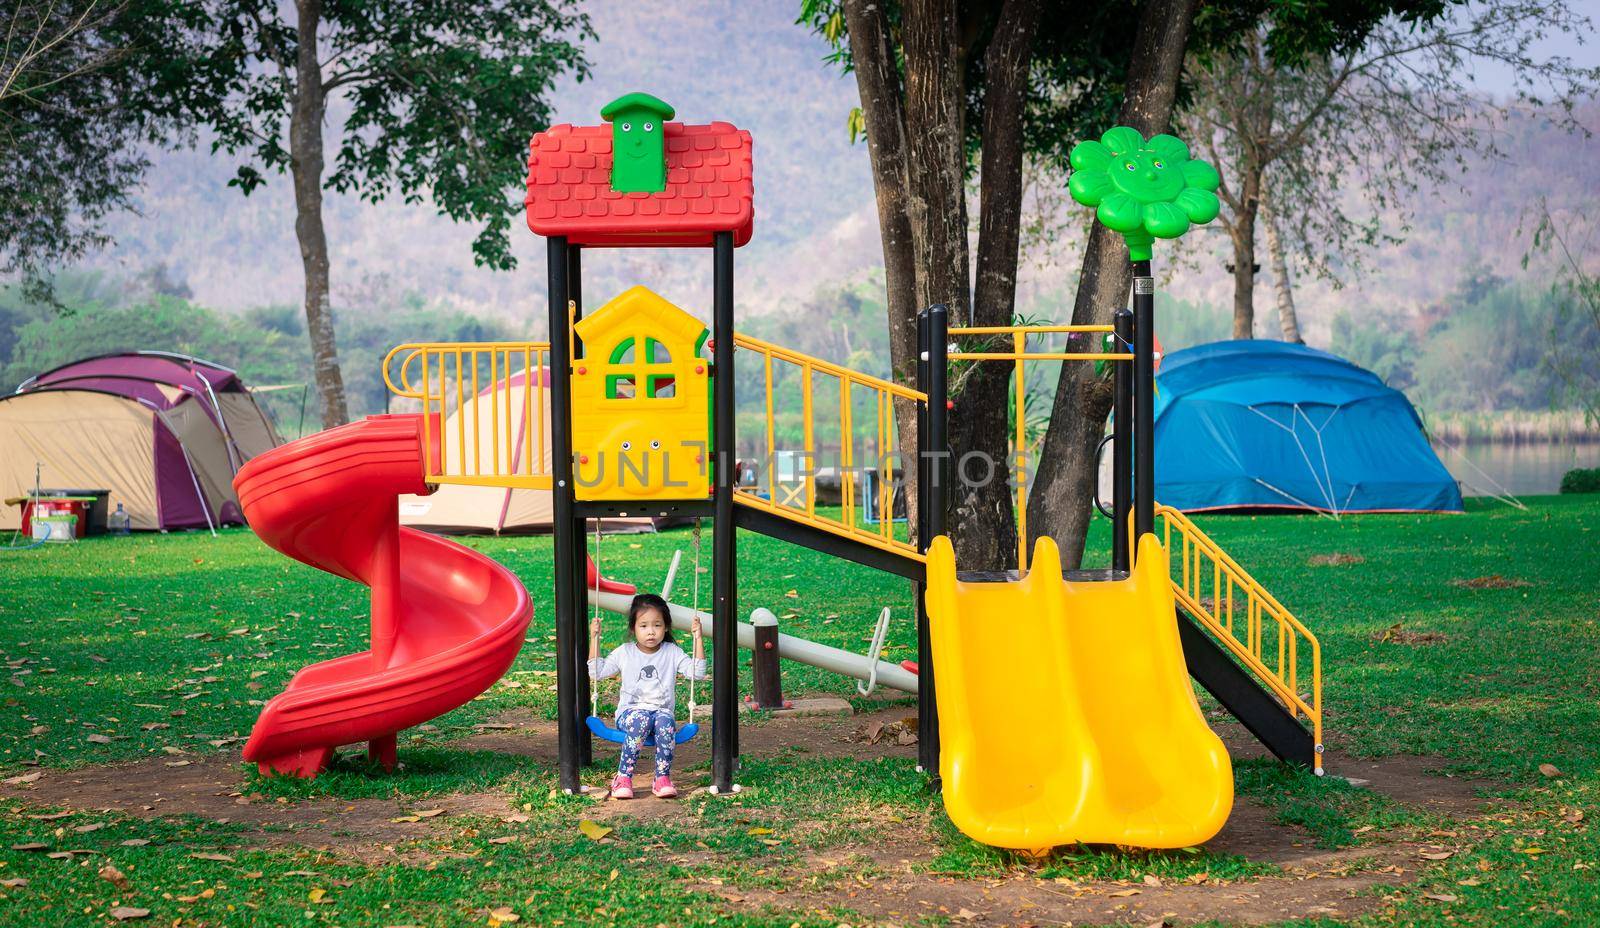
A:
<point x="638" y="143"/>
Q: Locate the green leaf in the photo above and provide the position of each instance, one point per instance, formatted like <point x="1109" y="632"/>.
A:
<point x="1201" y="206"/>
<point x="1089" y="187"/>
<point x="1121" y="213"/>
<point x="1123" y="139"/>
<point x="1089" y="155"/>
<point x="1200" y="174"/>
<point x="1164" y="220"/>
<point x="1170" y="148"/>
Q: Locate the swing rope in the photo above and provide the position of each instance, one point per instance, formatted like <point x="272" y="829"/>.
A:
<point x="696" y="608"/>
<point x="594" y="684"/>
<point x="595" y="723"/>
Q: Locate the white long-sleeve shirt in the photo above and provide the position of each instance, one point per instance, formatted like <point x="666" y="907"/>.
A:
<point x="649" y="681"/>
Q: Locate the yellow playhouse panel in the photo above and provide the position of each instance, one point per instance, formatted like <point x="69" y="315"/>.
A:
<point x="1065" y="709"/>
<point x="641" y="402"/>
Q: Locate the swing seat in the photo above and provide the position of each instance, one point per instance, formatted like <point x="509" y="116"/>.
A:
<point x="599" y="728"/>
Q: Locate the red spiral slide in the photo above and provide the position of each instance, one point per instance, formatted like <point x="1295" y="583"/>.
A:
<point x="446" y="621"/>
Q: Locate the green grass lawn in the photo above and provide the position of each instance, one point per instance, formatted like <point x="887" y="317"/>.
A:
<point x="123" y="649"/>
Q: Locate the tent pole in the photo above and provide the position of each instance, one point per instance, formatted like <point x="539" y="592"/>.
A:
<point x="205" y="509"/>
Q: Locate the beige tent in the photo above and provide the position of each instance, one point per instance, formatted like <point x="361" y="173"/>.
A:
<point x="523" y="415"/>
<point x="163" y="433"/>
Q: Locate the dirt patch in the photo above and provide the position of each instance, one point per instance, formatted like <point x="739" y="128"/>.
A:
<point x="1491" y="582"/>
<point x="210" y="788"/>
<point x="1397" y="634"/>
<point x="1334" y="560"/>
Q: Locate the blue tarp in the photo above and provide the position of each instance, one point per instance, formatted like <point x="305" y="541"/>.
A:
<point x="1265" y="424"/>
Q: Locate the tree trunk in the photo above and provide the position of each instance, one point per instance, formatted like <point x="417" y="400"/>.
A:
<point x="878" y="80"/>
<point x="936" y="205"/>
<point x="1288" y="320"/>
<point x="1065" y="484"/>
<point x="1243" y="233"/>
<point x="986" y="514"/>
<point x="305" y="164"/>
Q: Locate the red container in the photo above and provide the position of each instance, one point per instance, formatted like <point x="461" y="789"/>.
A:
<point x="56" y="506"/>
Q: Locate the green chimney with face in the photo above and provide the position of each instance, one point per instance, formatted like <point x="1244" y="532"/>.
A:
<point x="638" y="143"/>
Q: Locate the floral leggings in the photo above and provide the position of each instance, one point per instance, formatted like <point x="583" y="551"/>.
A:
<point x="637" y="725"/>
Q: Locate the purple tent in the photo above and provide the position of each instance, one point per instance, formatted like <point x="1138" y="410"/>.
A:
<point x="165" y="433"/>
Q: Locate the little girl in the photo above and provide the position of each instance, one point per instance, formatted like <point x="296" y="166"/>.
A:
<point x="649" y="665"/>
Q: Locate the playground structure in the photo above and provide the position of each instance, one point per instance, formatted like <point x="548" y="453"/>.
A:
<point x="642" y="424"/>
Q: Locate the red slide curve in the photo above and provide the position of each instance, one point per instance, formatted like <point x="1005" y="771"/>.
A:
<point x="446" y="621"/>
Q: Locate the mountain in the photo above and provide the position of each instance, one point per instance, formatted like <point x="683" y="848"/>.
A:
<point x="816" y="222"/>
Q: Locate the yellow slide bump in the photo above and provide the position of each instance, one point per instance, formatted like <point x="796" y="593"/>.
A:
<point x="1065" y="709"/>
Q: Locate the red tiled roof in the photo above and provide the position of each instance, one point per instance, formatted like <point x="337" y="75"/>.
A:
<point x="710" y="188"/>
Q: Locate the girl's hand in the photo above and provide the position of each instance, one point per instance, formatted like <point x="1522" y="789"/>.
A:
<point x="594" y="627"/>
<point x="694" y="627"/>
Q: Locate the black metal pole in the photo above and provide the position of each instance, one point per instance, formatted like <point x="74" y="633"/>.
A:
<point x="935" y="448"/>
<point x="1121" y="437"/>
<point x="568" y="547"/>
<point x="724" y="554"/>
<point x="580" y="569"/>
<point x="924" y="504"/>
<point x="1144" y="397"/>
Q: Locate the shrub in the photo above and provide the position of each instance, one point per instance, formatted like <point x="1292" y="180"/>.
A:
<point x="1581" y="480"/>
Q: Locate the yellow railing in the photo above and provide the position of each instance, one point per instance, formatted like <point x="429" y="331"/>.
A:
<point x="860" y="446"/>
<point x="1264" y="636"/>
<point x="486" y="417"/>
<point x="1019" y="356"/>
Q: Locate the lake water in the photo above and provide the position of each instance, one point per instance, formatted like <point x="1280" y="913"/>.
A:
<point x="1521" y="470"/>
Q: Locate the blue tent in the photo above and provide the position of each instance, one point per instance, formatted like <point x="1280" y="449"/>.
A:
<point x="1258" y="424"/>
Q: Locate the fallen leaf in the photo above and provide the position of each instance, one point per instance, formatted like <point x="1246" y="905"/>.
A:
<point x="29" y="846"/>
<point x="1549" y="770"/>
<point x="1573" y="816"/>
<point x="967" y="914"/>
<point x="316" y="895"/>
<point x="1440" y="897"/>
<point x="14" y="883"/>
<point x="115" y="877"/>
<point x="136" y="842"/>
<point x="1532" y="851"/>
<point x="771" y="842"/>
<point x="224" y="858"/>
<point x="504" y="915"/>
<point x="85" y="829"/>
<point x="1437" y="855"/>
<point x="503" y="839"/>
<point x="406" y="818"/>
<point x="101" y="739"/>
<point x="24" y="778"/>
<point x="516" y="818"/>
<point x="759" y="831"/>
<point x="49" y="816"/>
<point x="593" y="830"/>
<point x="1125" y="892"/>
<point x="124" y="913"/>
<point x="428" y="813"/>
<point x="1150" y="879"/>
<point x="793" y="594"/>
<point x="1469" y="882"/>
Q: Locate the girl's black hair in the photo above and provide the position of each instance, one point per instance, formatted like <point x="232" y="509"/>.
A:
<point x="649" y="601"/>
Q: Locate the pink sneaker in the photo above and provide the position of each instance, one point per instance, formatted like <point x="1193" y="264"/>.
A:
<point x="663" y="788"/>
<point x="621" y="787"/>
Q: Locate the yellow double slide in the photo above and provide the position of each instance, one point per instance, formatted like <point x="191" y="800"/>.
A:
<point x="1065" y="709"/>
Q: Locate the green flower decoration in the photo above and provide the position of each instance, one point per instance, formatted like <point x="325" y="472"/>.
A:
<point x="1143" y="189"/>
